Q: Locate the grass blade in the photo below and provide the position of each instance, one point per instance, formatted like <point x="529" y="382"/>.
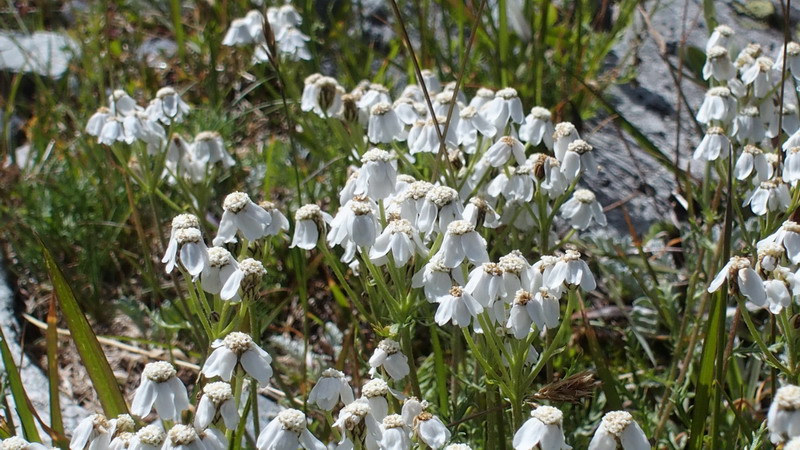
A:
<point x="51" y="337"/>
<point x="21" y="402"/>
<point x="103" y="380"/>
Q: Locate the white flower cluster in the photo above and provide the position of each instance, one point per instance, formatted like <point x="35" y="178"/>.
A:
<point x="283" y="21"/>
<point x="126" y="121"/>
<point x="774" y="280"/>
<point x="743" y="113"/>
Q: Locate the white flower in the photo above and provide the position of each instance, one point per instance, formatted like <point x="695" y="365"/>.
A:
<point x="564" y="134"/>
<point x="486" y="284"/>
<point x="482" y="97"/>
<point x="331" y="387"/>
<point x="375" y="391"/>
<point x="356" y="420"/>
<point x="578" y="159"/>
<point x="409" y="111"/>
<point x="161" y="387"/>
<point x="179" y="223"/>
<point x="436" y="278"/>
<point x="247" y="276"/>
<point x="748" y="126"/>
<point x="754" y="158"/>
<point x="770" y="195"/>
<point x="111" y="132"/>
<point x="150" y="437"/>
<point x="719" y="37"/>
<point x="411" y="201"/>
<point x="423" y="138"/>
<point x="167" y="107"/>
<point x="791" y="165"/>
<point x="209" y="149"/>
<point x="279" y="223"/>
<point x="387" y="355"/>
<point x="217" y="400"/>
<point x="547" y="303"/>
<point x="547" y="172"/>
<point x="183" y="437"/>
<point x="310" y="97"/>
<point x="778" y="289"/>
<point x="480" y="213"/>
<point x="395" y="433"/>
<point x="291" y="42"/>
<point x="761" y="75"/>
<point x="122" y="104"/>
<point x="323" y="95"/>
<point x="458" y="447"/>
<point x="246" y="30"/>
<point x="238" y="348"/>
<point x="17" y="443"/>
<point x="470" y="124"/>
<point x="441" y="106"/>
<point x="431" y="430"/>
<point x="718" y="64"/>
<point x="121" y="441"/>
<point x="542" y="429"/>
<point x="714" y="145"/>
<point x="718" y="105"/>
<point x="95" y="123"/>
<point x="221" y="265"/>
<point x="792" y="59"/>
<point x="440" y="207"/>
<point x="572" y="270"/>
<point x="93" y="432"/>
<point x="462" y="241"/>
<point x="355" y="222"/>
<point x="769" y="255"/>
<point x="241" y="214"/>
<point x="506" y="106"/>
<point x="793" y="444"/>
<point x="790" y="123"/>
<point x="457" y="307"/>
<point x="619" y="427"/>
<point x="376" y="93"/>
<point x="517" y="273"/>
<point x="518" y="188"/>
<point x="501" y="151"/>
<point x="582" y="208"/>
<point x="431" y="81"/>
<point x="742" y="278"/>
<point x="139" y="126"/>
<point x="309" y="220"/>
<point x="783" y="418"/>
<point x="384" y="125"/>
<point x="401" y="239"/>
<point x="213" y="439"/>
<point x="522" y="313"/>
<point x="378" y="174"/>
<point x="538" y="128"/>
<point x="787" y="236"/>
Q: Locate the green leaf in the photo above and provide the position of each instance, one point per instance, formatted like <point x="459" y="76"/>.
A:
<point x="51" y="337"/>
<point x="24" y="409"/>
<point x="92" y="356"/>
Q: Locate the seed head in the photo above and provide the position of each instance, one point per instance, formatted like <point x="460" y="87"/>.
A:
<point x="548" y="415"/>
<point x="292" y="420"/>
<point x="460" y="227"/>
<point x="187" y="235"/>
<point x="14" y="443"/>
<point x="563" y="130"/>
<point x="397" y="226"/>
<point x="418" y="190"/>
<point x="790" y="226"/>
<point x="393" y="421"/>
<point x="615" y="422"/>
<point x="513" y="263"/>
<point x="584" y="196"/>
<point x="719" y="91"/>
<point x="332" y="373"/>
<point x="311" y="79"/>
<point x="715" y="131"/>
<point x="218" y="257"/>
<point x="206" y="136"/>
<point x="159" y="371"/>
<point x="468" y="113"/>
<point x="238" y="342"/>
<point x="376" y="155"/>
<point x="724" y="30"/>
<point x="375" y="388"/>
<point x="185" y="221"/>
<point x="389" y="346"/>
<point x="456" y="291"/>
<point x="251" y="267"/>
<point x="218" y="392"/>
<point x="522" y="297"/>
<point x="165" y="92"/>
<point x="360" y="208"/>
<point x="236" y="202"/>
<point x="539" y="113"/>
<point x="125" y="422"/>
<point x="308" y="212"/>
<point x="750" y="111"/>
<point x="182" y="435"/>
<point x="151" y="435"/>
<point x="507" y="93"/>
<point x="492" y="269"/>
<point x="752" y="149"/>
<point x="484" y="93"/>
<point x="579" y="146"/>
<point x="788" y="398"/>
<point x="442" y="195"/>
<point x="380" y="109"/>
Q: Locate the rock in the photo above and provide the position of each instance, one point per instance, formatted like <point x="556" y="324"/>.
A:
<point x="44" y="53"/>
<point x="35" y="381"/>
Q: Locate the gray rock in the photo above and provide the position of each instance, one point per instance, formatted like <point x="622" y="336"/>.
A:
<point x="43" y="52"/>
<point x="35" y="381"/>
